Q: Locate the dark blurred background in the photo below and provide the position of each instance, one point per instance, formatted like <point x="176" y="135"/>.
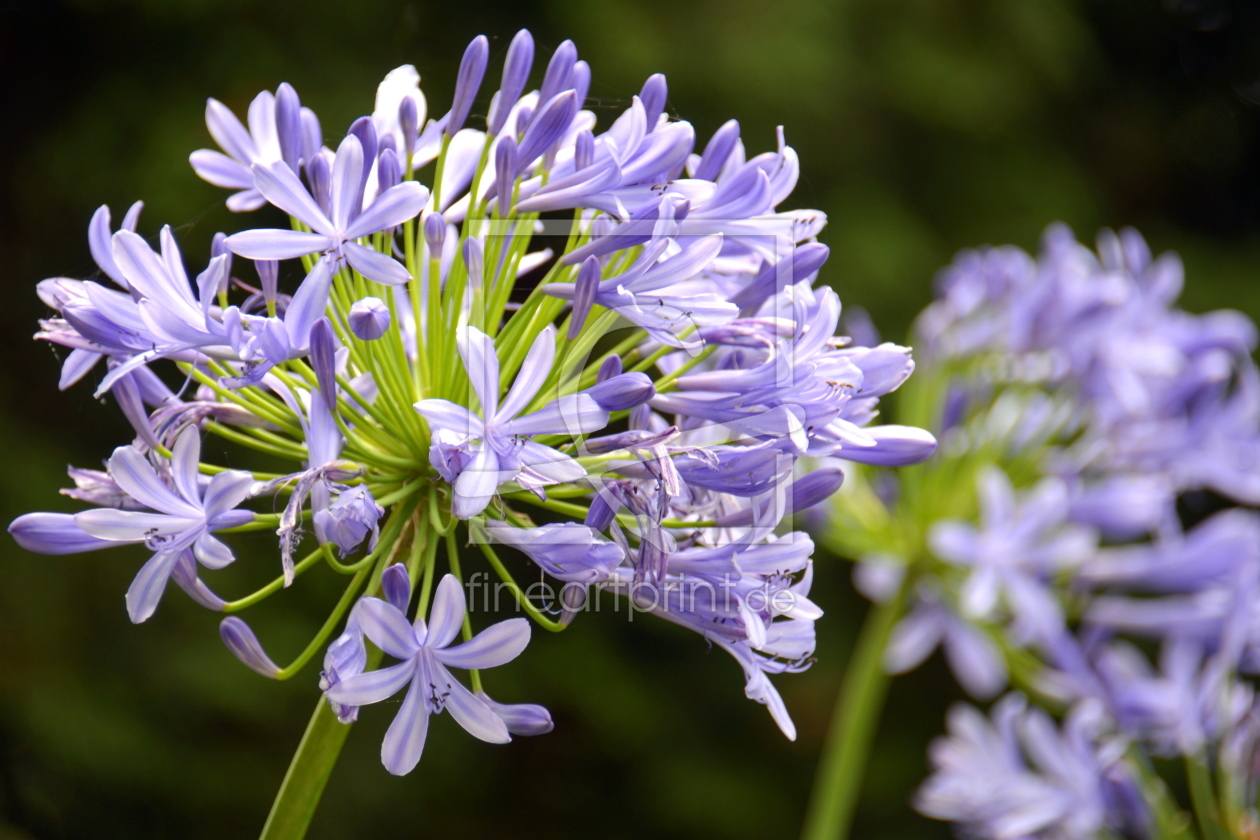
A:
<point x="923" y="126"/>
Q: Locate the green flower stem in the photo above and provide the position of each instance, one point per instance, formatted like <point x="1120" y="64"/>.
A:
<point x="251" y="399"/>
<point x="312" y="764"/>
<point x="524" y="602"/>
<point x="263" y="521"/>
<point x="288" y="453"/>
<point x="652" y="359"/>
<point x="400" y="494"/>
<point x="452" y="558"/>
<point x="839" y="776"/>
<point x="321" y="638"/>
<point x="578" y="511"/>
<point x="1204" y="798"/>
<point x="430" y="561"/>
<point x="666" y="381"/>
<point x="273" y="587"/>
<point x="1168" y="820"/>
<point x="592" y="370"/>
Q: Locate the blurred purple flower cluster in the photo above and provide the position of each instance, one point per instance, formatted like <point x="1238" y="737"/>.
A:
<point x="1113" y="441"/>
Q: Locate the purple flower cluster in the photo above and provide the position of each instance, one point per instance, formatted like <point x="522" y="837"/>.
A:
<point x="1076" y="374"/>
<point x="419" y="394"/>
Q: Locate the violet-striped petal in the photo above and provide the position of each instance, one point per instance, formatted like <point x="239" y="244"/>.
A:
<point x="534" y="372"/>
<point x="396" y="205"/>
<point x="373" y="686"/>
<point x="54" y="533"/>
<point x="387" y="627"/>
<point x="472" y="713"/>
<point x="146" y="589"/>
<point x="135" y="475"/>
<point x="376" y="266"/>
<point x="277" y="244"/>
<point x="497" y="644"/>
<point x="283" y="189"/>
<point x="396" y="586"/>
<point x="446" y="617"/>
<point x="240" y="639"/>
<point x="404" y="740"/>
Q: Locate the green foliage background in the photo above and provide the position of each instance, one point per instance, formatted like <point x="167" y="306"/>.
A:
<point x="924" y="126"/>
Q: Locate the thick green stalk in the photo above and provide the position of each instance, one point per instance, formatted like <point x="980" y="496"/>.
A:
<point x="316" y="755"/>
<point x="838" y="779"/>
<point x="312" y="764"/>
<point x="1204" y="799"/>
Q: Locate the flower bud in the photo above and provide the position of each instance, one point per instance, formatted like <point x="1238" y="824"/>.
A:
<point x="584" y="291"/>
<point x="351" y="519"/>
<point x="240" y="639"/>
<point x="312" y="136"/>
<point x="653" y="96"/>
<point x="505" y="159"/>
<point x="471" y="71"/>
<point x="572" y="599"/>
<point x="608" y="369"/>
<point x="549" y="125"/>
<point x="409" y="125"/>
<point x="289" y="125"/>
<point x="434" y="233"/>
<point x="718" y="151"/>
<point x="622" y="392"/>
<point x="583" y="149"/>
<point x="556" y="79"/>
<point x="396" y="586"/>
<point x="369" y="318"/>
<point x="388" y="172"/>
<point x="516" y="67"/>
<point x="323" y="353"/>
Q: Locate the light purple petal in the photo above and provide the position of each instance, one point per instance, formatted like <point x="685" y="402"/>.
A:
<point x="975" y="661"/>
<point x="393" y="207"/>
<point x="308" y="305"/>
<point x="245" y="201"/>
<point x="147" y="588"/>
<point x="282" y="188"/>
<point x="136" y="477"/>
<point x="387" y="628"/>
<point x="447" y="614"/>
<point x="482" y="364"/>
<point x="404" y="741"/>
<point x="472" y="713"/>
<point x="444" y="414"/>
<point x="277" y="244"/>
<point x="477" y="484"/>
<point x="54" y="533"/>
<point x="346" y="173"/>
<point x="373" y="686"/>
<point x="573" y="414"/>
<point x="76" y="366"/>
<point x="225" y="491"/>
<point x="228" y="132"/>
<point x="497" y="644"/>
<point x="132" y="525"/>
<point x="533" y="373"/>
<point x="220" y="170"/>
<point x="100" y="242"/>
<point x="211" y="552"/>
<point x="376" y="266"/>
<point x="186" y="454"/>
<point x="913" y="639"/>
<point x="953" y="541"/>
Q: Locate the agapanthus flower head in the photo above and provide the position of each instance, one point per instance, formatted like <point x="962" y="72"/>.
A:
<point x="654" y="398"/>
